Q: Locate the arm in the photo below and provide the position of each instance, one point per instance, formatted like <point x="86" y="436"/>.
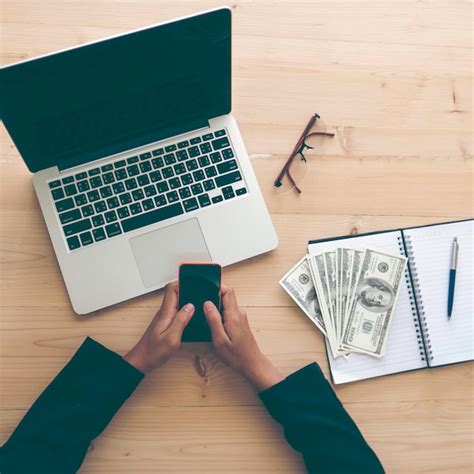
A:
<point x="76" y="407"/>
<point x="314" y="421"/>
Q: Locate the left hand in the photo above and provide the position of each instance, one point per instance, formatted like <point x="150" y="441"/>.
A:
<point x="163" y="336"/>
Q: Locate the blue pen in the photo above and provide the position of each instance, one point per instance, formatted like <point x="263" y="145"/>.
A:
<point x="452" y="275"/>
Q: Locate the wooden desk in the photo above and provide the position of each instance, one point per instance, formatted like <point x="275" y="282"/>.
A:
<point x="393" y="80"/>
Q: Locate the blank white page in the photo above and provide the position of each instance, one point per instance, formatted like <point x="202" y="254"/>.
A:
<point x="402" y="351"/>
<point x="451" y="339"/>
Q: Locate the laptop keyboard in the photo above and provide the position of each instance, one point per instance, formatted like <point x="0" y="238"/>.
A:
<point x="140" y="190"/>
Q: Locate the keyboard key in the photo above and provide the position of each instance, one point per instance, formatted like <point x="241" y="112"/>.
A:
<point x="170" y="148"/>
<point x="132" y="159"/>
<point x="145" y="167"/>
<point x="148" y="204"/>
<point x="68" y="180"/>
<point x="219" y="133"/>
<point x="205" y="148"/>
<point x="184" y="193"/>
<point x="150" y="191"/>
<point x="216" y="157"/>
<point x="108" y="178"/>
<point x="167" y="172"/>
<point x="96" y="182"/>
<point x="191" y="204"/>
<point x="158" y="152"/>
<point x="106" y="192"/>
<point x="80" y="176"/>
<point x="135" y="208"/>
<point x="113" y="202"/>
<point x="172" y="197"/>
<point x="195" y="140"/>
<point x="220" y="143"/>
<point x="155" y="176"/>
<point x="94" y="172"/>
<point x="76" y="227"/>
<point x="204" y="200"/>
<point x="121" y="174"/>
<point x="160" y="200"/>
<point x="100" y="206"/>
<point x="229" y="194"/>
<point x="192" y="165"/>
<point x="170" y="159"/>
<point x="93" y="196"/>
<point x="107" y="167"/>
<point x="211" y="171"/>
<point x="70" y="189"/>
<point x="80" y="199"/>
<point x="64" y="205"/>
<point x="137" y="195"/>
<point x="228" y="178"/>
<point x="70" y="216"/>
<point x="131" y="183"/>
<point x="179" y="168"/>
<point x="87" y="210"/>
<point x="182" y="155"/>
<point x="113" y="230"/>
<point x="118" y="188"/>
<point x="125" y="199"/>
<point x="57" y="193"/>
<point x="207" y="136"/>
<point x="183" y="144"/>
<point x="133" y="170"/>
<point x="157" y="163"/>
<point x="217" y="199"/>
<point x="203" y="161"/>
<point x="186" y="179"/>
<point x="196" y="189"/>
<point x="227" y="153"/>
<point x="99" y="234"/>
<point x="209" y="185"/>
<point x="174" y="183"/>
<point x="110" y="216"/>
<point x="83" y="186"/>
<point x="97" y="221"/>
<point x="123" y="212"/>
<point x="162" y="187"/>
<point x="120" y="164"/>
<point x="54" y="184"/>
<point x="73" y="243"/>
<point x="240" y="191"/>
<point x="152" y="217"/>
<point x="227" y="189"/>
<point x="227" y="166"/>
<point x="86" y="238"/>
<point x="193" y="151"/>
<point x="198" y="175"/>
<point x="145" y="156"/>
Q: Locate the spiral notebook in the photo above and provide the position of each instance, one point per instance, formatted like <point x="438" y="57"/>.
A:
<point x="421" y="336"/>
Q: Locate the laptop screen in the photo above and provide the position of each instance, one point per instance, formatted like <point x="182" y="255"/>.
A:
<point x="99" y="99"/>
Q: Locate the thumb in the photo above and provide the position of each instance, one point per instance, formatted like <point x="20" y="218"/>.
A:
<point x="214" y="319"/>
<point x="181" y="319"/>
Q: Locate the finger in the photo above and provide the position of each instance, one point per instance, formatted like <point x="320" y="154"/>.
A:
<point x="180" y="321"/>
<point x="214" y="320"/>
<point x="230" y="306"/>
<point x="169" y="306"/>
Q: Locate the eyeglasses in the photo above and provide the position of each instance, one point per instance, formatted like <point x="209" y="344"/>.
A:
<point x="295" y="167"/>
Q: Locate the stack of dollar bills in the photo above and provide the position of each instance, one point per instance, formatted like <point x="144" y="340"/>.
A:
<point x="350" y="295"/>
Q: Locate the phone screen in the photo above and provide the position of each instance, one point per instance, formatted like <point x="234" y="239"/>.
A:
<point x="199" y="282"/>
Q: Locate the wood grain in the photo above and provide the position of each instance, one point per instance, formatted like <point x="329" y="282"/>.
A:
<point x="393" y="81"/>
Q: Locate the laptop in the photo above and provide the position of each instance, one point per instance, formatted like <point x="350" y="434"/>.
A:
<point x="138" y="163"/>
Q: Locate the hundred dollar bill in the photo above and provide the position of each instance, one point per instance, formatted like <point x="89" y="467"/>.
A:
<point x="346" y="266"/>
<point x="356" y="266"/>
<point x="299" y="285"/>
<point x="374" y="299"/>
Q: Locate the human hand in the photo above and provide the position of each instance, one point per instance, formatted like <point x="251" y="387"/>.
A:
<point x="234" y="342"/>
<point x="163" y="336"/>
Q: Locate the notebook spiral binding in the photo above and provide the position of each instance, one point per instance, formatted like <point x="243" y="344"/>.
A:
<point x="416" y="302"/>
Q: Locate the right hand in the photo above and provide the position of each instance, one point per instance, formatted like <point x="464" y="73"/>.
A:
<point x="234" y="341"/>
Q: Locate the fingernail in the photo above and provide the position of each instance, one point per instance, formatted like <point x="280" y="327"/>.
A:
<point x="188" y="307"/>
<point x="209" y="305"/>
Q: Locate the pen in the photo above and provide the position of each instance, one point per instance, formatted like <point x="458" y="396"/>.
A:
<point x="452" y="275"/>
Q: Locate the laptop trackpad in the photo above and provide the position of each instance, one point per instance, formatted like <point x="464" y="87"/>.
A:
<point x="159" y="253"/>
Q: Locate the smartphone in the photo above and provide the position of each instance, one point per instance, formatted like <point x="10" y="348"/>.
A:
<point x="199" y="282"/>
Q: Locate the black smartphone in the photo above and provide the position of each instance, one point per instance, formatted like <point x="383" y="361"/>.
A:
<point x="199" y="282"/>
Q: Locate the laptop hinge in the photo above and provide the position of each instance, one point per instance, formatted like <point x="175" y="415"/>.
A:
<point x="128" y="146"/>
